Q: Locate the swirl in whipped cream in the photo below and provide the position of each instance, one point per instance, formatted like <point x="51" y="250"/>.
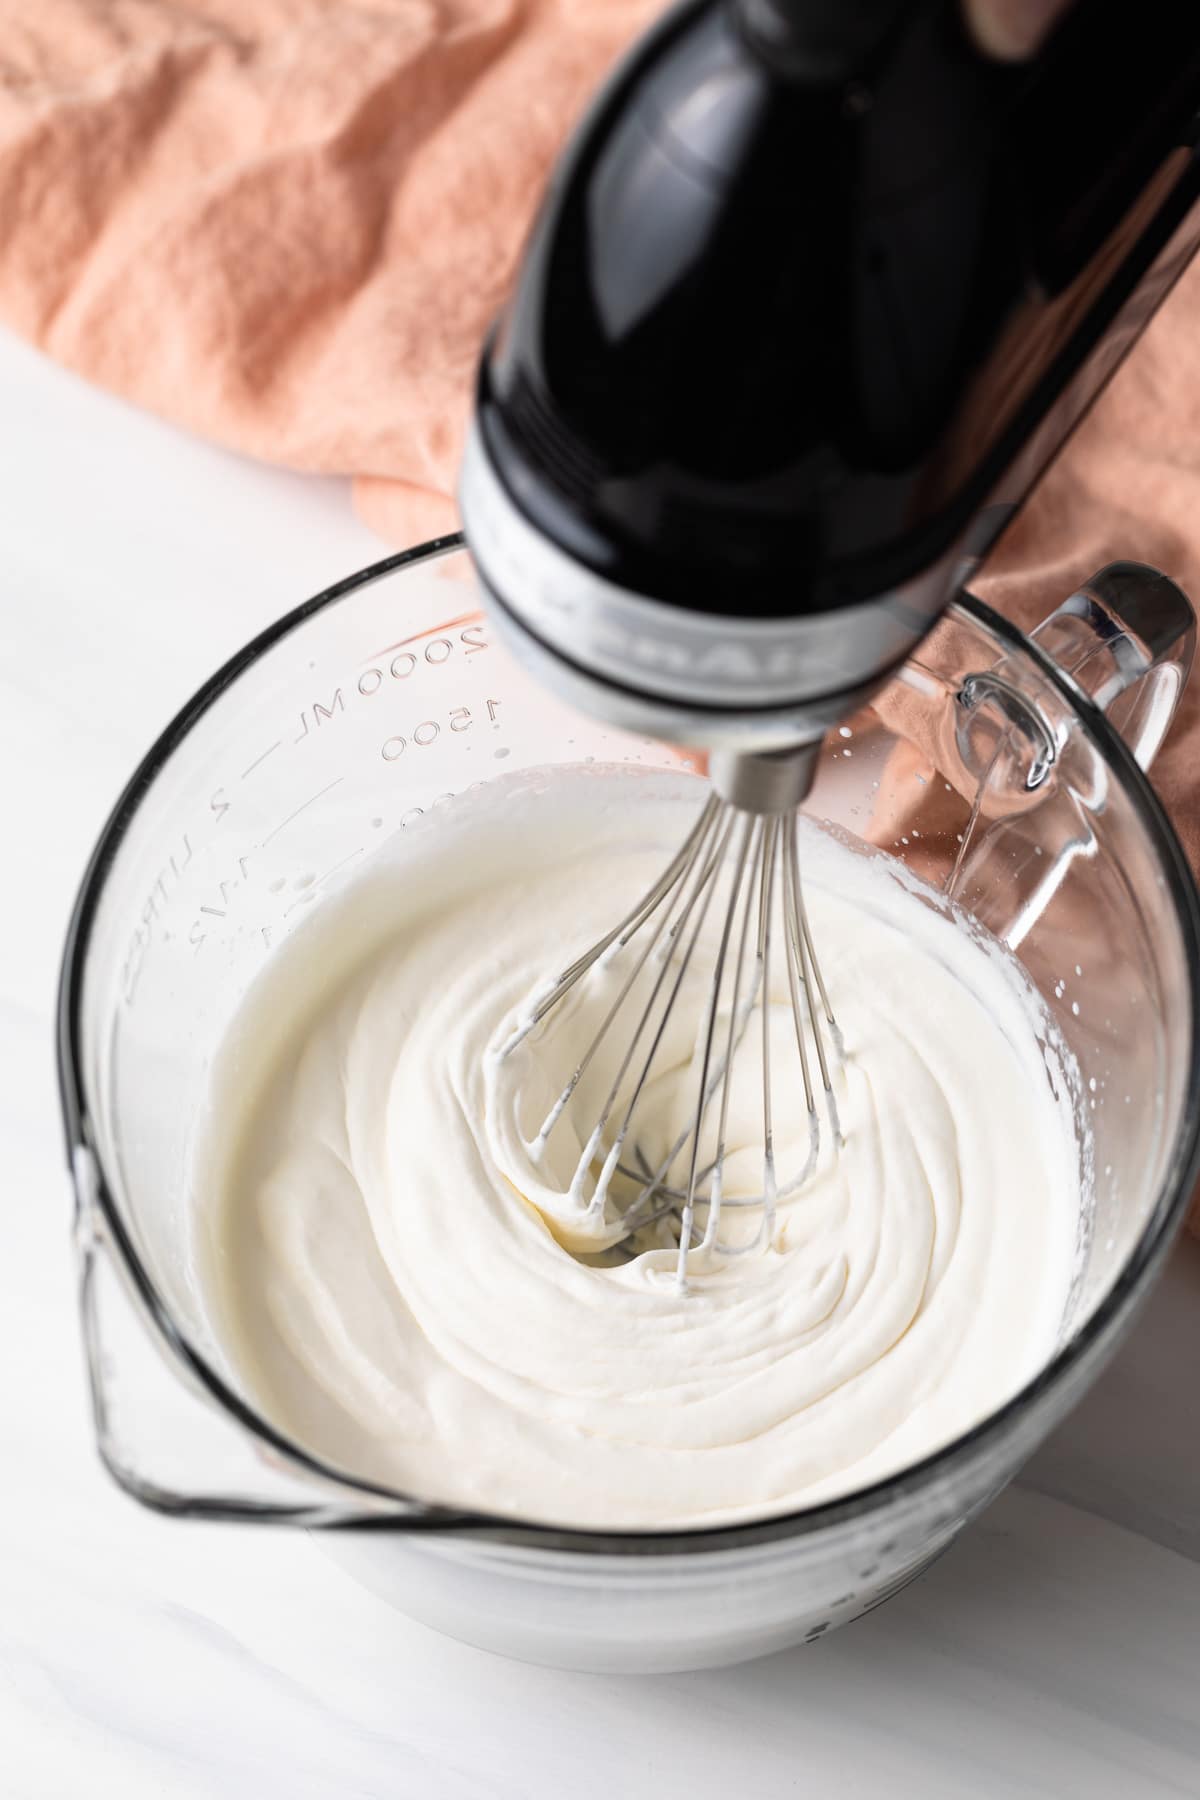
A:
<point x="408" y="1291"/>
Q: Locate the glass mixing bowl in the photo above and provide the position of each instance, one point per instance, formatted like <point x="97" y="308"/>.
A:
<point x="988" y="765"/>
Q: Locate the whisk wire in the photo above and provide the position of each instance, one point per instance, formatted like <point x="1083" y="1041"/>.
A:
<point x="710" y="1023"/>
<point x="795" y="973"/>
<point x="701" y="892"/>
<point x="718" y="1169"/>
<point x="694" y="844"/>
<point x="672" y="876"/>
<point x="763" y="877"/>
<point x="766" y="886"/>
<point x="803" y="951"/>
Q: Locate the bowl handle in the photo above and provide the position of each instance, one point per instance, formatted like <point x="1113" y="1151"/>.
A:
<point x="1125" y="639"/>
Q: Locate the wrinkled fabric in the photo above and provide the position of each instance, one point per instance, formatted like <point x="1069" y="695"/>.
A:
<point x="286" y="225"/>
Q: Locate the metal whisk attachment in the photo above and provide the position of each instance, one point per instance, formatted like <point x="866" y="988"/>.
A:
<point x="751" y="860"/>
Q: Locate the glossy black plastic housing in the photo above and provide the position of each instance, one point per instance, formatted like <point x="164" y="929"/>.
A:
<point x="798" y="308"/>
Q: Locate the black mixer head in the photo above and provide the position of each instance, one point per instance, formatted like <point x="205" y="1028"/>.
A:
<point x="815" y="293"/>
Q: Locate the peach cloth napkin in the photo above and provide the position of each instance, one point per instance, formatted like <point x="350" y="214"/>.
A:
<point x="287" y="223"/>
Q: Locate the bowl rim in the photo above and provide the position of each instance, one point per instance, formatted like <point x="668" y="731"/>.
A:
<point x="386" y="1508"/>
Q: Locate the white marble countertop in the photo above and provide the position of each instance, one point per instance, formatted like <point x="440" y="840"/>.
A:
<point x="1053" y="1651"/>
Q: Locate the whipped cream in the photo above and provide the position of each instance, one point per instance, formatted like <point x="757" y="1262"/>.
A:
<point x="407" y="1287"/>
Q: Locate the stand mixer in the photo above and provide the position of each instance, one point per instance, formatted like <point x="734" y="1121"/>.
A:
<point x="815" y="295"/>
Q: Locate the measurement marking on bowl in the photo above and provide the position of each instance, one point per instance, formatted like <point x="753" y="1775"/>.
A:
<point x="303" y="807"/>
<point x="433" y="631"/>
<point x="260" y="759"/>
<point x="312" y="886"/>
